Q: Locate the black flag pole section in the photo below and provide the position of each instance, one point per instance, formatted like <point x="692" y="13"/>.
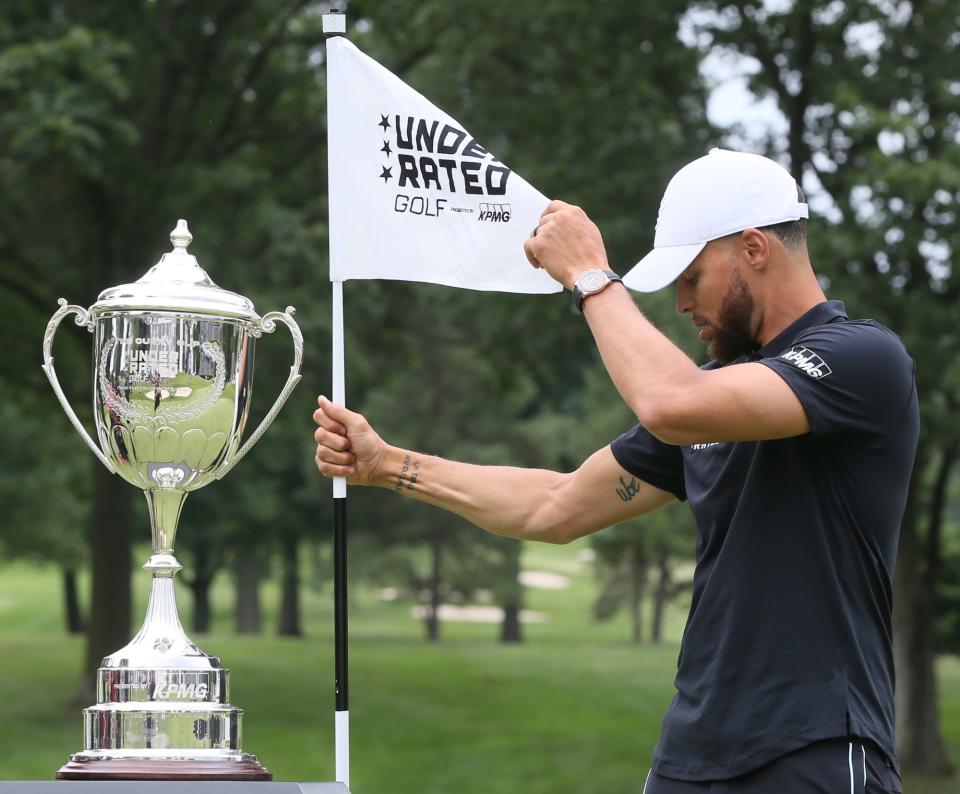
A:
<point x="335" y="24"/>
<point x="340" y="602"/>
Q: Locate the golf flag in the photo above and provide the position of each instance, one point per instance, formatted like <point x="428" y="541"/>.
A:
<point x="413" y="196"/>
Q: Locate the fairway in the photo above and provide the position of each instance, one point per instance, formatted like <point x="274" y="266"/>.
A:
<point x="576" y="708"/>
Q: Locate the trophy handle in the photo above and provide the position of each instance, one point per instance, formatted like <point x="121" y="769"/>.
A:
<point x="268" y="324"/>
<point x="82" y="319"/>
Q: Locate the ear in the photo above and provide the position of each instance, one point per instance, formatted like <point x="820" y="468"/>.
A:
<point x="755" y="248"/>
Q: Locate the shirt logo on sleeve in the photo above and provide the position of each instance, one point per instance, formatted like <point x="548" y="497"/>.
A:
<point x="807" y="361"/>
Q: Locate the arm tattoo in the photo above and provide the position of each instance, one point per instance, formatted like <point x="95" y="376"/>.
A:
<point x="629" y="489"/>
<point x="409" y="472"/>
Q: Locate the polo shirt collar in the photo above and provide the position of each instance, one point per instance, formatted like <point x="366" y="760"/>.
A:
<point x="821" y="314"/>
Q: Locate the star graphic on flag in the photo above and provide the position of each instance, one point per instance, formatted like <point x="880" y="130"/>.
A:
<point x="384" y="123"/>
<point x="385" y="174"/>
<point x="386" y="148"/>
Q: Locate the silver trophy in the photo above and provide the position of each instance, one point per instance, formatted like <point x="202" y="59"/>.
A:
<point x="173" y="367"/>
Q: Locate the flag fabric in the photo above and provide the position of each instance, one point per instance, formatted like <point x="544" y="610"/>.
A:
<point x="413" y="196"/>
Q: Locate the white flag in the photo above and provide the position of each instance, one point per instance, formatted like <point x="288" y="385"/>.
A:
<point x="413" y="196"/>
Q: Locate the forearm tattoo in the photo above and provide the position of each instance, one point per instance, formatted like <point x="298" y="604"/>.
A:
<point x="628" y="489"/>
<point x="409" y="473"/>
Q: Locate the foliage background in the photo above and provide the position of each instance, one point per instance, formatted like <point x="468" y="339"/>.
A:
<point x="116" y="118"/>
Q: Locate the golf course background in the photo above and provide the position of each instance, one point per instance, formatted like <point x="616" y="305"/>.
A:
<point x="575" y="708"/>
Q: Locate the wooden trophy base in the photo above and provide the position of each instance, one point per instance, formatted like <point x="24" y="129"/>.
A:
<point x="132" y="769"/>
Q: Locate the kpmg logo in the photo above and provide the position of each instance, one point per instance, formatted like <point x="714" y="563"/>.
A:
<point x="807" y="361"/>
<point x="495" y="213"/>
<point x="165" y="688"/>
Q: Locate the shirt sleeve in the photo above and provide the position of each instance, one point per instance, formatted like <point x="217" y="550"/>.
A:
<point x="646" y="457"/>
<point x="849" y="377"/>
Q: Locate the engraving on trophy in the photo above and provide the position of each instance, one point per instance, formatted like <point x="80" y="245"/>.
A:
<point x="128" y="685"/>
<point x="145" y="377"/>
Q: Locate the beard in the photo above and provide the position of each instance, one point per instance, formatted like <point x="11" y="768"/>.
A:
<point x="733" y="335"/>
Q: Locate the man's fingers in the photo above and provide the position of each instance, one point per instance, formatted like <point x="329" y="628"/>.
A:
<point x="554" y="206"/>
<point x="327" y="455"/>
<point x="337" y="417"/>
<point x="332" y="470"/>
<point x="322" y="419"/>
<point x="334" y="441"/>
<point x="528" y="247"/>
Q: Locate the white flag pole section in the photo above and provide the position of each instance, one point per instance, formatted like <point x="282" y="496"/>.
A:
<point x="335" y="24"/>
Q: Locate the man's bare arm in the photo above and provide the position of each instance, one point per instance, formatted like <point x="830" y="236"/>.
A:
<point x="528" y="504"/>
<point x="676" y="400"/>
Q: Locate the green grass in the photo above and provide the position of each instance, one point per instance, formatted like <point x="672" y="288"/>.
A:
<point x="576" y="708"/>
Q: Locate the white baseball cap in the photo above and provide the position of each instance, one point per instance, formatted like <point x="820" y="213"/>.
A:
<point x="715" y="195"/>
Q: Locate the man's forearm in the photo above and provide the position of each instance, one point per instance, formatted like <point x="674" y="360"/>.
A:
<point x="508" y="501"/>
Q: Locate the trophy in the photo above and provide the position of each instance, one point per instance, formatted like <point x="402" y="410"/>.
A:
<point x="173" y="369"/>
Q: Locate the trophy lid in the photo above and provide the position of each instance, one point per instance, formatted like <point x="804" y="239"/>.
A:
<point x="176" y="283"/>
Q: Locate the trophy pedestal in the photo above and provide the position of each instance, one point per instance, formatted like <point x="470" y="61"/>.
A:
<point x="171" y="769"/>
<point x="162" y="710"/>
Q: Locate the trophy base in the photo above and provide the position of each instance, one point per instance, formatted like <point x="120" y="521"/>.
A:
<point x="163" y="769"/>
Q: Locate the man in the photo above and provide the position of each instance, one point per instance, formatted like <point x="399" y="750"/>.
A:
<point x="794" y="447"/>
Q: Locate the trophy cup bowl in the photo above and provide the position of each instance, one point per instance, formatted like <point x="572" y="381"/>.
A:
<point x="173" y="369"/>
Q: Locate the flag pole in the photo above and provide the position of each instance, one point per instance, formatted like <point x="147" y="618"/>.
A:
<point x="335" y="24"/>
<point x="341" y="704"/>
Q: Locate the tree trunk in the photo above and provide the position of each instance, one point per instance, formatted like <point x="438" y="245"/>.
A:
<point x="432" y="614"/>
<point x="248" y="618"/>
<point x="660" y="596"/>
<point x="200" y="582"/>
<point x="71" y="602"/>
<point x="108" y="627"/>
<point x="638" y="588"/>
<point x="201" y="604"/>
<point x="920" y="747"/>
<point x="289" y="623"/>
<point x="510" y="628"/>
<point x="200" y="589"/>
<point x="320" y="563"/>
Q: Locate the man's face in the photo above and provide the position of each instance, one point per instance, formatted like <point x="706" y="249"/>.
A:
<point x="719" y="301"/>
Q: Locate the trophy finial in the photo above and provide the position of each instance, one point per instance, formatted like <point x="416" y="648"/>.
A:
<point x="181" y="237"/>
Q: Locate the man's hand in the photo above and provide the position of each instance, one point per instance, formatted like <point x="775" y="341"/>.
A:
<point x="566" y="243"/>
<point x="346" y="444"/>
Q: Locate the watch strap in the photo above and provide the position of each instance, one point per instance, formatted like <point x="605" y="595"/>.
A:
<point x="579" y="296"/>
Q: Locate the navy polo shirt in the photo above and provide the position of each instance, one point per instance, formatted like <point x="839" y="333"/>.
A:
<point x="789" y="637"/>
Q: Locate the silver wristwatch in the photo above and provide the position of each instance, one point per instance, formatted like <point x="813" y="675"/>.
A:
<point x="591" y="282"/>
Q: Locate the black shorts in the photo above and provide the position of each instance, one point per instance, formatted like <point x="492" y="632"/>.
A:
<point x="836" y="766"/>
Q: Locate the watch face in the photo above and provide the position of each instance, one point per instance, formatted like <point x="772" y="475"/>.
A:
<point x="591" y="281"/>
